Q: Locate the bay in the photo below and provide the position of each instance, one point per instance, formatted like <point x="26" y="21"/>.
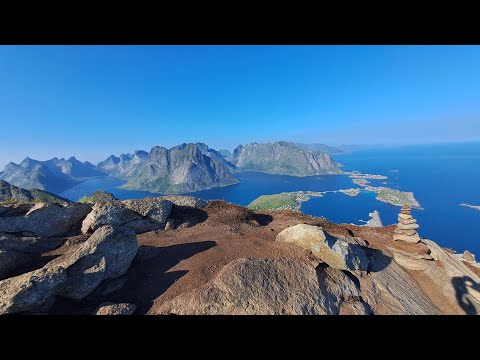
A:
<point x="441" y="177"/>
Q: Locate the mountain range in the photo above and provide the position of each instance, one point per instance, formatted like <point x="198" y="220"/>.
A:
<point x="180" y="169"/>
<point x="283" y="158"/>
<point x="54" y="175"/>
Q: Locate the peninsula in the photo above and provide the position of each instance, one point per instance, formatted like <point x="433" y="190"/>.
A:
<point x="476" y="207"/>
<point x="283" y="201"/>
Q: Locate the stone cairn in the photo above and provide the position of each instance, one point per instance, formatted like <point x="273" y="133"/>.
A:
<point x="406" y="226"/>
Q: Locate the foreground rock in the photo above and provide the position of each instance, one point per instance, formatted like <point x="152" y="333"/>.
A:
<point x="190" y="201"/>
<point x="157" y="209"/>
<point x="29" y="244"/>
<point x="389" y="289"/>
<point x="31" y="291"/>
<point x="44" y="219"/>
<point x="337" y="253"/>
<point x="270" y="286"/>
<point x="10" y="261"/>
<point x="117" y="214"/>
<point x="115" y="309"/>
<point x="107" y="254"/>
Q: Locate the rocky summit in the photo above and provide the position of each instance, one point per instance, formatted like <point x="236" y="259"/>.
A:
<point x="183" y="255"/>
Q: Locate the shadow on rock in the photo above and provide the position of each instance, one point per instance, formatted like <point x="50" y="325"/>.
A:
<point x="464" y="287"/>
<point x="262" y="219"/>
<point x="187" y="215"/>
<point x="149" y="276"/>
<point x="378" y="260"/>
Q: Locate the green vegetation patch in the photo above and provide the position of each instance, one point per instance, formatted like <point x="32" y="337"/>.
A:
<point x="87" y="199"/>
<point x="272" y="202"/>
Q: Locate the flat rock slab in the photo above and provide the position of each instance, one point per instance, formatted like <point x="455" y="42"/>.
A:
<point x="337" y="253"/>
<point x="31" y="291"/>
<point x="49" y="220"/>
<point x="280" y="286"/>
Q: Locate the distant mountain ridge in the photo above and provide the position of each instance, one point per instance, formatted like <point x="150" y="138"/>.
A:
<point x="331" y="150"/>
<point x="283" y="158"/>
<point x="10" y="192"/>
<point x="180" y="169"/>
<point x="55" y="175"/>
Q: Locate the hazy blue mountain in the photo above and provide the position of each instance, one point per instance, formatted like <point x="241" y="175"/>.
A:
<point x="225" y="153"/>
<point x="125" y="165"/>
<point x="183" y="168"/>
<point x="332" y="150"/>
<point x="55" y="175"/>
<point x="10" y="192"/>
<point x="284" y="158"/>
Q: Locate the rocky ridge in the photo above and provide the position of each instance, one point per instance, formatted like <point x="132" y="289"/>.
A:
<point x="218" y="258"/>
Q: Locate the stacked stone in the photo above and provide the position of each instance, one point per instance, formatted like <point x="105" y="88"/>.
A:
<point x="406" y="226"/>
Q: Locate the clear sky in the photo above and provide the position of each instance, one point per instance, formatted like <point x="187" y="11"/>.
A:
<point x="93" y="101"/>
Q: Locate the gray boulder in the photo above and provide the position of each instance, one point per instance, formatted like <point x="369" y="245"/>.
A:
<point x="31" y="291"/>
<point x="107" y="254"/>
<point x="115" y="309"/>
<point x="117" y="214"/>
<point x="10" y="261"/>
<point x="46" y="219"/>
<point x="190" y="201"/>
<point x="29" y="244"/>
<point x="157" y="209"/>
<point x="269" y="286"/>
<point x="342" y="254"/>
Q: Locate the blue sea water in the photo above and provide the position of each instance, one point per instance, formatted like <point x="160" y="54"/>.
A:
<point x="440" y="176"/>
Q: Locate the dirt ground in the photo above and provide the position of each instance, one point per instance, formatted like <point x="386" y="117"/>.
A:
<point x="170" y="262"/>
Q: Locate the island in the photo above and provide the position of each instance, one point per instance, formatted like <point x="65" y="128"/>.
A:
<point x="394" y="196"/>
<point x="361" y="182"/>
<point x="359" y="175"/>
<point x="283" y="201"/>
<point x="476" y="207"/>
<point x="293" y="200"/>
<point x="350" y="192"/>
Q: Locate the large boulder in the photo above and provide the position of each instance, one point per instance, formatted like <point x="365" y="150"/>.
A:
<point x="190" y="201"/>
<point x="45" y="219"/>
<point x="115" y="309"/>
<point x="157" y="209"/>
<point x="268" y="286"/>
<point x="107" y="254"/>
<point x="338" y="253"/>
<point x="29" y="244"/>
<point x="31" y="291"/>
<point x="10" y="261"/>
<point x="117" y="214"/>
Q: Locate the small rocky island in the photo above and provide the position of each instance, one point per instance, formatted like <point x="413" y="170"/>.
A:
<point x="394" y="196"/>
<point x="476" y="207"/>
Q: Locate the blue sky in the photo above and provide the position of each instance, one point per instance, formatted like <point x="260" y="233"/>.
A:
<point x="92" y="101"/>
